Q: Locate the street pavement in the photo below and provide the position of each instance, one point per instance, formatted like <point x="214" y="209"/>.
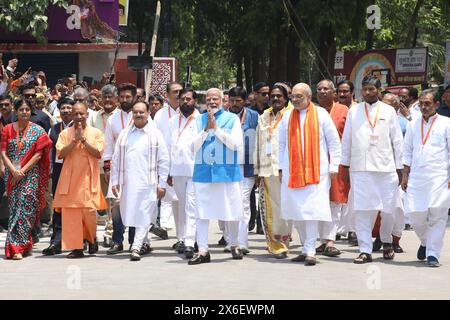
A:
<point x="165" y="275"/>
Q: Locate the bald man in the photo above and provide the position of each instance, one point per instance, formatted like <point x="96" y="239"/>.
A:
<point x="310" y="153"/>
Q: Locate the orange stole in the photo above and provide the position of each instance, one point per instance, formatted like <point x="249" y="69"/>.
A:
<point x="304" y="169"/>
<point x="339" y="188"/>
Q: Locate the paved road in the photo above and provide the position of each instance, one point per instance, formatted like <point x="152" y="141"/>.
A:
<point x="165" y="275"/>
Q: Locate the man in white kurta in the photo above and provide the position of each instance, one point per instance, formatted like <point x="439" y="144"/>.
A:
<point x="116" y="123"/>
<point x="426" y="177"/>
<point x="183" y="130"/>
<point x="372" y="148"/>
<point x="169" y="204"/>
<point x="139" y="173"/>
<point x="308" y="205"/>
<point x="217" y="174"/>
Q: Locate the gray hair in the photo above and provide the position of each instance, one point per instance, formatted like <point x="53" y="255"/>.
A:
<point x="110" y="89"/>
<point x="396" y="97"/>
<point x="215" y="89"/>
<point x="331" y="83"/>
<point x="82" y="92"/>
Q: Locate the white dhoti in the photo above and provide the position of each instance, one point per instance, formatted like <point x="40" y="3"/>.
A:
<point x="185" y="219"/>
<point x="247" y="186"/>
<point x="311" y="203"/>
<point x="307" y="231"/>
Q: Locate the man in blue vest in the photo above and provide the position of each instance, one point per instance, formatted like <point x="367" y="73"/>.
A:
<point x="217" y="174"/>
<point x="249" y="121"/>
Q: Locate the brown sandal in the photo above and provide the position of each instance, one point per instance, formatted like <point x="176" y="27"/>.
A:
<point x="388" y="251"/>
<point x="363" y="258"/>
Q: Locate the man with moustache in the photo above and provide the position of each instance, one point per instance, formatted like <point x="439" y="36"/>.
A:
<point x="426" y="177"/>
<point x="169" y="205"/>
<point x="249" y="122"/>
<point x="266" y="167"/>
<point x="65" y="106"/>
<point x="116" y="123"/>
<point x="372" y="148"/>
<point x="309" y="155"/>
<point x="100" y="121"/>
<point x="182" y="129"/>
<point x="78" y="194"/>
<point x="217" y="174"/>
<point x="345" y="93"/>
<point x="139" y="173"/>
<point x="339" y="188"/>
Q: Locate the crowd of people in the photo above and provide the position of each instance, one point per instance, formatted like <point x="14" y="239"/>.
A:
<point x="322" y="164"/>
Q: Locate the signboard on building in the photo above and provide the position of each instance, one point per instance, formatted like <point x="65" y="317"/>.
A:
<point x="394" y="67"/>
<point x="81" y="21"/>
<point x="123" y="12"/>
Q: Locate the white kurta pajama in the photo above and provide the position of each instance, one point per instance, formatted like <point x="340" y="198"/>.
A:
<point x="309" y="204"/>
<point x="182" y="131"/>
<point x="218" y="201"/>
<point x="169" y="204"/>
<point x="427" y="197"/>
<point x="373" y="155"/>
<point x="144" y="157"/>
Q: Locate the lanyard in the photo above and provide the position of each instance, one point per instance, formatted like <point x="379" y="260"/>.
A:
<point x="372" y="125"/>
<point x="20" y="143"/>
<point x="243" y="117"/>
<point x="185" y="126"/>
<point x="424" y="140"/>
<point x="123" y="123"/>
<point x="277" y="120"/>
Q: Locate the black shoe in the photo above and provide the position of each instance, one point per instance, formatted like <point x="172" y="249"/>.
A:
<point x="321" y="248"/>
<point x="93" y="247"/>
<point x="222" y="242"/>
<point x="199" y="259"/>
<point x="282" y="255"/>
<point x="299" y="258"/>
<point x="35" y="239"/>
<point x="422" y="253"/>
<point x="397" y="248"/>
<point x="160" y="232"/>
<point x="145" y="249"/>
<point x="107" y="242"/>
<point x="115" y="249"/>
<point x="259" y="230"/>
<point x="189" y="252"/>
<point x="75" y="254"/>
<point x="376" y="246"/>
<point x="237" y="254"/>
<point x="245" y="251"/>
<point x="338" y="237"/>
<point x="433" y="262"/>
<point x="179" y="247"/>
<point x="351" y="236"/>
<point x="196" y="247"/>
<point x="51" y="250"/>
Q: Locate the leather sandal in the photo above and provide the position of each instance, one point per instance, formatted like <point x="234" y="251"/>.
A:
<point x="363" y="258"/>
<point x="388" y="251"/>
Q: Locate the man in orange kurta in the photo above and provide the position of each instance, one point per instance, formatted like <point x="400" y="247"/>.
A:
<point x="339" y="188"/>
<point x="79" y="194"/>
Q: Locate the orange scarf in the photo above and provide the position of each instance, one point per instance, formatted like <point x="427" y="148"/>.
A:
<point x="304" y="169"/>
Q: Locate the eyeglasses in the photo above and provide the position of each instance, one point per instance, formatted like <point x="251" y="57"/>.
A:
<point x="30" y="95"/>
<point x="4" y="105"/>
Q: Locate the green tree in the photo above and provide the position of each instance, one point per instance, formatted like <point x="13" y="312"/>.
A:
<point x="27" y="16"/>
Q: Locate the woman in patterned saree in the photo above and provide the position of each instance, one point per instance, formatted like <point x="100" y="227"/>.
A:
<point x="25" y="152"/>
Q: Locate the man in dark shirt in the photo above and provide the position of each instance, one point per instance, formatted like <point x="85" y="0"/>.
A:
<point x="37" y="116"/>
<point x="444" y="109"/>
<point x="65" y="108"/>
